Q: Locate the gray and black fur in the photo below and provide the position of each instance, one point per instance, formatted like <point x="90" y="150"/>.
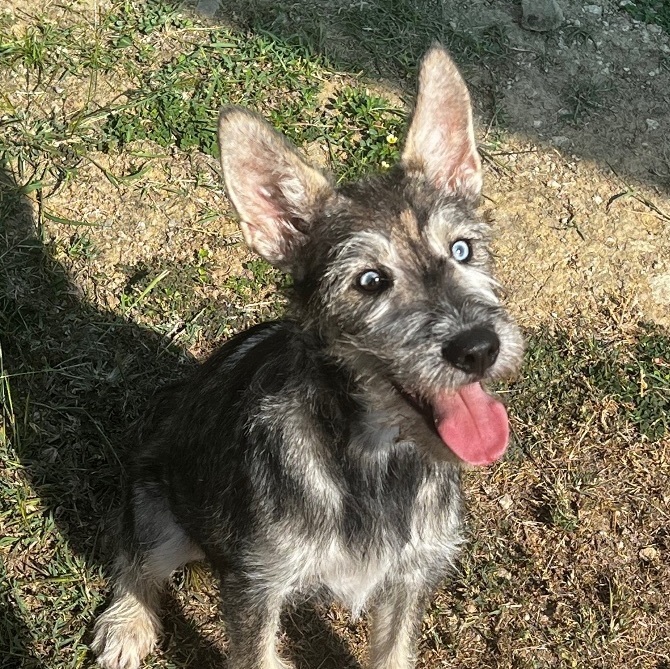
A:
<point x="303" y="457"/>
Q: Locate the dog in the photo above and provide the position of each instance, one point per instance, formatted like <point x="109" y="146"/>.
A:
<point x="322" y="453"/>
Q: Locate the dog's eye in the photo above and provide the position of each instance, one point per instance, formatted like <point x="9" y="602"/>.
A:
<point x="372" y="281"/>
<point x="461" y="250"/>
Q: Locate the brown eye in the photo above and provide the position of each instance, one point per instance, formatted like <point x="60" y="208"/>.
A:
<point x="372" y="281"/>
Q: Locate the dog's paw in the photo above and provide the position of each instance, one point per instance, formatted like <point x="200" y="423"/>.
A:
<point x="124" y="635"/>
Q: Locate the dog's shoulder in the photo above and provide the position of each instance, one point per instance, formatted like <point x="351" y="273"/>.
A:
<point x="271" y="358"/>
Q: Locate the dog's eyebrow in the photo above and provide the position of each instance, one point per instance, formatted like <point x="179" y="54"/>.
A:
<point x="449" y="223"/>
<point x="367" y="244"/>
<point x="410" y="222"/>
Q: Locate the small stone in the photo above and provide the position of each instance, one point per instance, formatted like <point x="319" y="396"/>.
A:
<point x="537" y="124"/>
<point x="553" y="184"/>
<point x="541" y="15"/>
<point x="596" y="10"/>
<point x="652" y="124"/>
<point x="506" y="502"/>
<point x="597" y="199"/>
<point x="660" y="288"/>
<point x="207" y="8"/>
<point x="648" y="554"/>
<point x="560" y="141"/>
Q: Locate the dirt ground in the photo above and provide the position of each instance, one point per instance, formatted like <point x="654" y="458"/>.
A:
<point x="579" y="190"/>
<point x="574" y="130"/>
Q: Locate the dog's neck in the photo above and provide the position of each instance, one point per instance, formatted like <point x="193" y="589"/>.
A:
<point x="386" y="416"/>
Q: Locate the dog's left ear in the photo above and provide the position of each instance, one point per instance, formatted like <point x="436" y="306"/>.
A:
<point x="275" y="191"/>
<point x="441" y="142"/>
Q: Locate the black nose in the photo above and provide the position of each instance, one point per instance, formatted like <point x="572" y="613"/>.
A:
<point x="473" y="351"/>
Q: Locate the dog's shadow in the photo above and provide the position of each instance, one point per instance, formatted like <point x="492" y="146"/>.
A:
<point x="311" y="642"/>
<point x="73" y="377"/>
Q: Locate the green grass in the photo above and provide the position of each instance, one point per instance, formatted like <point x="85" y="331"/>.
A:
<point x="119" y="264"/>
<point x="650" y="11"/>
<point x="567" y="377"/>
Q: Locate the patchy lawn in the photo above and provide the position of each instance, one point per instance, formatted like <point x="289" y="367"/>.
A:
<point x="121" y="263"/>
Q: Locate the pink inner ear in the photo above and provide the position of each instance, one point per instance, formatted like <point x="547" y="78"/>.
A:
<point x="272" y="238"/>
<point x="441" y="138"/>
<point x="449" y="152"/>
<point x="268" y="203"/>
<point x="269" y="183"/>
<point x="465" y="172"/>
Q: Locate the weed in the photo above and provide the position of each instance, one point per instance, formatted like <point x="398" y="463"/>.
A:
<point x="649" y="11"/>
<point x="362" y="130"/>
<point x="568" y="378"/>
<point x="177" y="103"/>
<point x="569" y="533"/>
<point x="588" y="97"/>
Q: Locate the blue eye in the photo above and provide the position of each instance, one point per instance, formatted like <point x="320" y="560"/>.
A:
<point x="461" y="250"/>
<point x="372" y="281"/>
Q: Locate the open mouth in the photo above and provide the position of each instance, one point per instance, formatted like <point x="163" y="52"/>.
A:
<point x="470" y="422"/>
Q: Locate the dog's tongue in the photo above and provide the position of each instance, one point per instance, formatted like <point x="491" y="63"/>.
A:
<point x="472" y="424"/>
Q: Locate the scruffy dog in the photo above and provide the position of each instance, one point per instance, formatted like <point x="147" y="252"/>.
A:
<point x="321" y="452"/>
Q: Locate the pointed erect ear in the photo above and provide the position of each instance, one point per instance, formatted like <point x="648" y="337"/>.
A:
<point x="275" y="192"/>
<point x="441" y="142"/>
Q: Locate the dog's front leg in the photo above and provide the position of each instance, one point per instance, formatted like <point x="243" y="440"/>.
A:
<point x="396" y="621"/>
<point x="251" y="613"/>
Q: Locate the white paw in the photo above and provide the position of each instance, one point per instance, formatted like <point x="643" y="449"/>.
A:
<point x="125" y="634"/>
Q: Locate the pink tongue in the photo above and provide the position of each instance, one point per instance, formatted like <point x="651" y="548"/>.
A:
<point x="472" y="424"/>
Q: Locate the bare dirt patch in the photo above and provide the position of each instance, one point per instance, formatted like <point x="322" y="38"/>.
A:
<point x="120" y="259"/>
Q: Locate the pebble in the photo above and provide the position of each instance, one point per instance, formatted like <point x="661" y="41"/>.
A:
<point x="649" y="554"/>
<point x="596" y="10"/>
<point x="506" y="502"/>
<point x="541" y="15"/>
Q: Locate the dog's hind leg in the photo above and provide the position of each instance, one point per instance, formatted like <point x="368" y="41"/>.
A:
<point x="155" y="546"/>
<point x="251" y="613"/>
<point x="396" y="622"/>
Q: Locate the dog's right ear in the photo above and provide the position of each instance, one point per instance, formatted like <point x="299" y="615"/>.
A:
<point x="275" y="191"/>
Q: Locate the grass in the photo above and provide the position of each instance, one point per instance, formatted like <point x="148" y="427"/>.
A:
<point x="650" y="11"/>
<point x="120" y="263"/>
<point x="587" y="98"/>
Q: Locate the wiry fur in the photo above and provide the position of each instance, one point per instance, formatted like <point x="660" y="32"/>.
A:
<point x="299" y="458"/>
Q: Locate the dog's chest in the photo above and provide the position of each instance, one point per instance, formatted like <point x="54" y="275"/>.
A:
<point x="402" y="524"/>
<point x="373" y="511"/>
<point x="355" y="576"/>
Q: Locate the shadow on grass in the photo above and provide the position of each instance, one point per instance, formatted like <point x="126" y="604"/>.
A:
<point x="15" y="637"/>
<point x="581" y="88"/>
<point x="73" y="378"/>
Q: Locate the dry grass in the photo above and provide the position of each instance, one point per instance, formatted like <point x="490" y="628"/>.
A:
<point x="120" y="263"/>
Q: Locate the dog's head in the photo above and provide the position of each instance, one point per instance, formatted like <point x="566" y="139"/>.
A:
<point x="392" y="272"/>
